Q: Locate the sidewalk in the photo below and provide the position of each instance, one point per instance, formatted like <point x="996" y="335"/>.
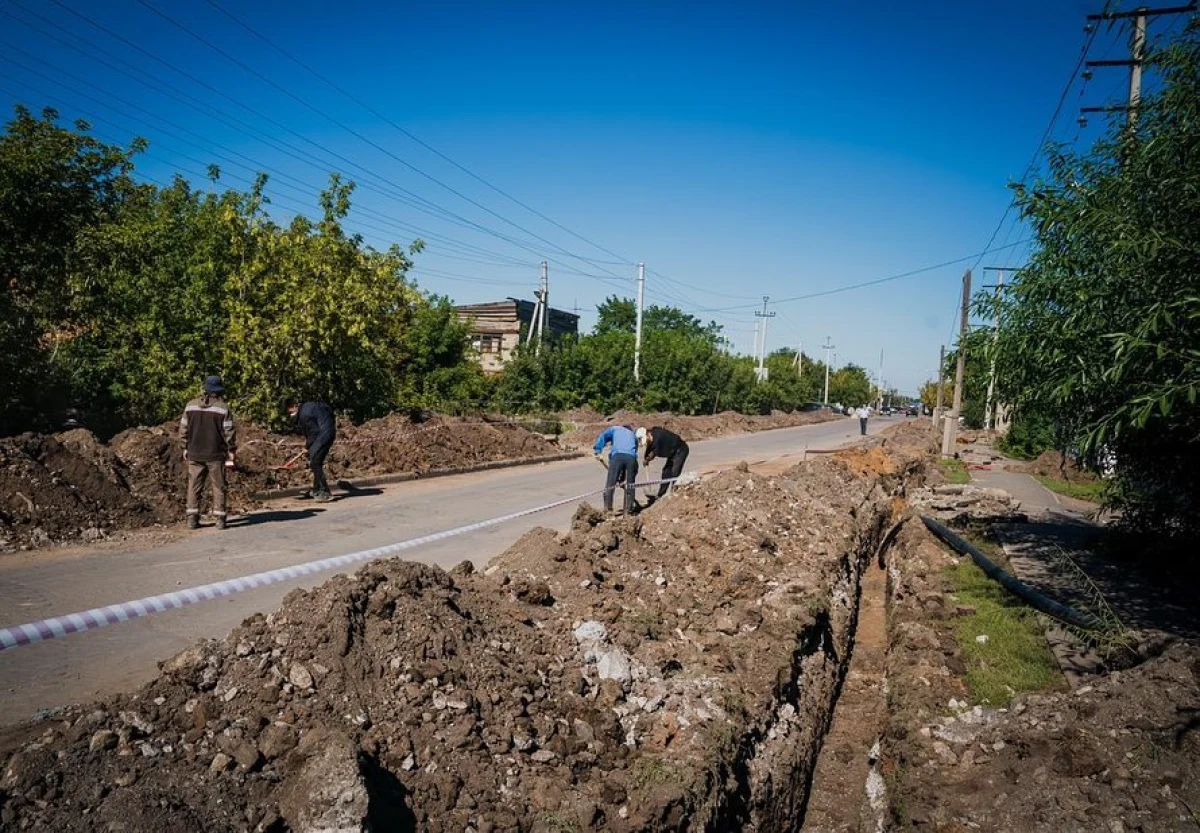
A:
<point x="1062" y="526"/>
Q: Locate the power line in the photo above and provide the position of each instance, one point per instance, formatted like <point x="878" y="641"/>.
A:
<point x="1062" y="98"/>
<point x="413" y="199"/>
<point x="361" y="137"/>
<point x="620" y="261"/>
<point x="874" y="282"/>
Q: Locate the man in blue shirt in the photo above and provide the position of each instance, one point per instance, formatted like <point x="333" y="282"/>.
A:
<point x="622" y="463"/>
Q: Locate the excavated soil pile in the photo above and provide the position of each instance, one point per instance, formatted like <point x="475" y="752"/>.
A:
<point x="1119" y="754"/>
<point x="1055" y="464"/>
<point x="671" y="671"/>
<point x="69" y="486"/>
<point x="590" y="423"/>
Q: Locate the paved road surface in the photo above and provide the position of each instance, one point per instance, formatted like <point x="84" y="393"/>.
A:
<point x="121" y="657"/>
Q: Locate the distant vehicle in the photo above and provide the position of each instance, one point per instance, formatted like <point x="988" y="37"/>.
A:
<point x="912" y="410"/>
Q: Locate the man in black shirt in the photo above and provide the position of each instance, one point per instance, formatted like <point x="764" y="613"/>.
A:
<point x="316" y="421"/>
<point x="670" y="446"/>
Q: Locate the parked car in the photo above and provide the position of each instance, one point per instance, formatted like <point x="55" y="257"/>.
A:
<point x="912" y="410"/>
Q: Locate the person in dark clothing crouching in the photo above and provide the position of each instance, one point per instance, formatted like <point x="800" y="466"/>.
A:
<point x="670" y="446"/>
<point x="316" y="421"/>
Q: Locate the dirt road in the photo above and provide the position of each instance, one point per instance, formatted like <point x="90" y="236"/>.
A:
<point x="76" y="668"/>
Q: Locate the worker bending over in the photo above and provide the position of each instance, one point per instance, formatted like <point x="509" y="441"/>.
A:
<point x="622" y="463"/>
<point x="315" y="420"/>
<point x="669" y="446"/>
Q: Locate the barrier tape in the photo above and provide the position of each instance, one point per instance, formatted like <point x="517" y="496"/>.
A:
<point x="60" y="626"/>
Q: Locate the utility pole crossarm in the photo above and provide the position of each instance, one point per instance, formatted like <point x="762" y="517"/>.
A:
<point x="1191" y="7"/>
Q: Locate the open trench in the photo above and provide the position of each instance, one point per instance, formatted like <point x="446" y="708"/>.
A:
<point x="708" y="665"/>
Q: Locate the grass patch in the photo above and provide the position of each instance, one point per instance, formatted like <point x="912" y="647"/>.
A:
<point x="1015" y="657"/>
<point x="955" y="471"/>
<point x="1091" y="491"/>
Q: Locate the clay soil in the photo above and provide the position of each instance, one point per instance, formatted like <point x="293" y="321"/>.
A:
<point x="70" y="487"/>
<point x="675" y="670"/>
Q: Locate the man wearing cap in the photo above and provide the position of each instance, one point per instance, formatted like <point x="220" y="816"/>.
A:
<point x="668" y="445"/>
<point x="209" y="444"/>
<point x="622" y="463"/>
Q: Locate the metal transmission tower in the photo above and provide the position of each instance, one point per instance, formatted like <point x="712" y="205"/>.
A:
<point x="762" y="347"/>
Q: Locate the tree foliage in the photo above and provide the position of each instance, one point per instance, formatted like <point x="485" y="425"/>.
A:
<point x="1101" y="333"/>
<point x="125" y="295"/>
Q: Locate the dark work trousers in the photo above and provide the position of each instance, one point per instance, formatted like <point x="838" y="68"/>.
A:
<point x="214" y="472"/>
<point x="673" y="468"/>
<point x="316" y="461"/>
<point x="862" y="425"/>
<point x="622" y="468"/>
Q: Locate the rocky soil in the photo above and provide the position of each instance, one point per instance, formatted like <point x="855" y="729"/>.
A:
<point x="1120" y="753"/>
<point x="671" y="671"/>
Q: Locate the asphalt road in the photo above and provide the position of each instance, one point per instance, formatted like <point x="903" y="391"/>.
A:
<point x="121" y="657"/>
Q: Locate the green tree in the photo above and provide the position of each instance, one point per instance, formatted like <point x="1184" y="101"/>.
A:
<point x="55" y="183"/>
<point x="1101" y="331"/>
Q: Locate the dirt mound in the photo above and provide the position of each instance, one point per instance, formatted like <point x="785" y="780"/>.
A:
<point x="1056" y="464"/>
<point x="665" y="672"/>
<point x="61" y="487"/>
<point x="71" y="487"/>
<point x="589" y="423"/>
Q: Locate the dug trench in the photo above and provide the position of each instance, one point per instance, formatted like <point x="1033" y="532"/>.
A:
<point x="672" y="671"/>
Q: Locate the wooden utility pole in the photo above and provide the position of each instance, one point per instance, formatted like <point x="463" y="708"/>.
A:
<point x="950" y="433"/>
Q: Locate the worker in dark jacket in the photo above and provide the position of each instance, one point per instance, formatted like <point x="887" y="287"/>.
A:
<point x="668" y="445"/>
<point x="316" y="421"/>
<point x="209" y="440"/>
<point x="622" y="463"/>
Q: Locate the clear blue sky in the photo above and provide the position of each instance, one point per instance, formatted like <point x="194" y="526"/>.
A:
<point x="740" y="150"/>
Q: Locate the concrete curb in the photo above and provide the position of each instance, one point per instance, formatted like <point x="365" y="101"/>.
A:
<point x="405" y="476"/>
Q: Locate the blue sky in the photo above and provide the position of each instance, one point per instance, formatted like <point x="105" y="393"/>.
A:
<point x="739" y="150"/>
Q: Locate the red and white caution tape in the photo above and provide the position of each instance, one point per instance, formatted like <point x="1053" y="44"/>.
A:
<point x="60" y="626"/>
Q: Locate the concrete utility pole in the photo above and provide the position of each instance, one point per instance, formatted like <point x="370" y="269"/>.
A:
<point x="762" y="348"/>
<point x="827" y="347"/>
<point x="879" y="407"/>
<point x="989" y="419"/>
<point x="800" y="360"/>
<point x="937" y="412"/>
<point x="950" y="434"/>
<point x="1137" y="57"/>
<point x="637" y="338"/>
<point x="541" y="313"/>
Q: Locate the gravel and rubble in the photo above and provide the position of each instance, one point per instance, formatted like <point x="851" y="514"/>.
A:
<point x="959" y="504"/>
<point x="669" y="671"/>
<point x="1121" y="753"/>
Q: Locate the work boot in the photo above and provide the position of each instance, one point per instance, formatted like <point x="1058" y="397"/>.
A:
<point x="193" y="521"/>
<point x="221" y="522"/>
<point x="322" y="497"/>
